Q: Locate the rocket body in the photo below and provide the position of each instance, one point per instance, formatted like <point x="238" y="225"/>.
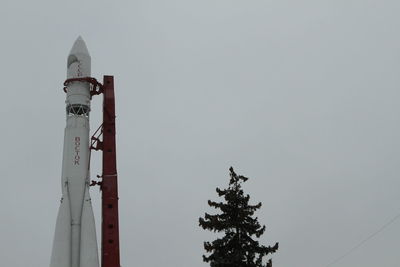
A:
<point x="75" y="243"/>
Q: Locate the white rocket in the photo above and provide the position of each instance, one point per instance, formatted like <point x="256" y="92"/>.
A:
<point x="75" y="242"/>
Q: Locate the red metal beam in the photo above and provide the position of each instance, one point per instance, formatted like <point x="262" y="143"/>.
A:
<point x="110" y="256"/>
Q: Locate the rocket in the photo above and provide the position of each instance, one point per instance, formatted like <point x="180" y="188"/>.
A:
<point x="75" y="243"/>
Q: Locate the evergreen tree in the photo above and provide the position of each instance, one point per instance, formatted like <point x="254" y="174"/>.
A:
<point x="236" y="248"/>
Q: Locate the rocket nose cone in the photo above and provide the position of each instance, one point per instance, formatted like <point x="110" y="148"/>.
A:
<point x="78" y="62"/>
<point x="79" y="47"/>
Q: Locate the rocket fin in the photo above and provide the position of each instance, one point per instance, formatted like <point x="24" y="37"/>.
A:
<point x="61" y="253"/>
<point x="89" y="255"/>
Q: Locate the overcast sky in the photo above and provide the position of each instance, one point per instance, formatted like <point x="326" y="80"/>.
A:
<point x="302" y="96"/>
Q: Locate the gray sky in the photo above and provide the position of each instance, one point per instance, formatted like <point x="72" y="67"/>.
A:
<point x="301" y="96"/>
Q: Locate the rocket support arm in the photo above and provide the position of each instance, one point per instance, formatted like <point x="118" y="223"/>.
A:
<point x="96" y="88"/>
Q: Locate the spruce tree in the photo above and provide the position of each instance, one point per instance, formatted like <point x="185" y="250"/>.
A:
<point x="238" y="247"/>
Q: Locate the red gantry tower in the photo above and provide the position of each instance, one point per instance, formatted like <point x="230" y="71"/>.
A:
<point x="110" y="255"/>
<point x="109" y="185"/>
